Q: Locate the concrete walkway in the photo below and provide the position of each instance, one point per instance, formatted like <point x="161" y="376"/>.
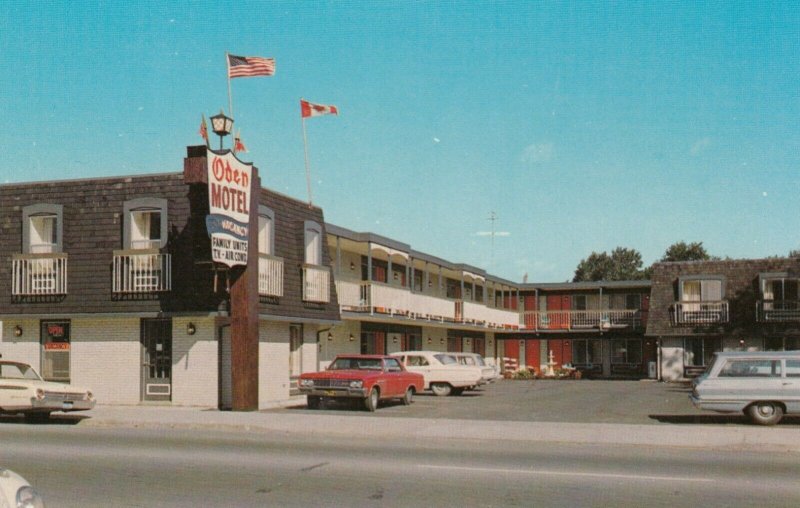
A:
<point x="364" y="425"/>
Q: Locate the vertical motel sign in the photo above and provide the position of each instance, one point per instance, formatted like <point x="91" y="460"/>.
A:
<point x="228" y="221"/>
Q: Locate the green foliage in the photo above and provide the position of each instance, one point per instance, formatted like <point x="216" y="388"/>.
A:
<point x="525" y="374"/>
<point x="621" y="264"/>
<point x="682" y="251"/>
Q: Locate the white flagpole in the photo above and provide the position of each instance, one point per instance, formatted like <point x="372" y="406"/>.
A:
<point x="308" y="170"/>
<point x="230" y="100"/>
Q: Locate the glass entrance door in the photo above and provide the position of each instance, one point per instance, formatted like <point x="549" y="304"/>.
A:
<point x="156" y="339"/>
<point x="55" y="350"/>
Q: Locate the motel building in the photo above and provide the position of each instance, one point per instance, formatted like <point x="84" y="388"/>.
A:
<point x="114" y="283"/>
<point x="110" y="283"/>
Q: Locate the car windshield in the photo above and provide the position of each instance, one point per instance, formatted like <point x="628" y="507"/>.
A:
<point x="479" y="360"/>
<point x="18" y="371"/>
<point x="356" y="364"/>
<point x="446" y="359"/>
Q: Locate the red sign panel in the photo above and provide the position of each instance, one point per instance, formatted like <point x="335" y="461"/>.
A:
<point x="56" y="346"/>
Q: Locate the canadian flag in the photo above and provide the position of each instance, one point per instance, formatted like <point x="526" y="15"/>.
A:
<point x="308" y="109"/>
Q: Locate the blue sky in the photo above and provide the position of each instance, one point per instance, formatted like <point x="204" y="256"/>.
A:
<point x="583" y="125"/>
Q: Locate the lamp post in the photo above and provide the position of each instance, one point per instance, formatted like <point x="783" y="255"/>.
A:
<point x="222" y="126"/>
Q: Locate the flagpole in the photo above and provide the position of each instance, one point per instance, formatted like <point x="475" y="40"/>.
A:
<point x="308" y="171"/>
<point x="230" y="100"/>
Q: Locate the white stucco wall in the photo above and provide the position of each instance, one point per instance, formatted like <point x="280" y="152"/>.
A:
<point x="195" y="370"/>
<point x="671" y="359"/>
<point x="24" y="348"/>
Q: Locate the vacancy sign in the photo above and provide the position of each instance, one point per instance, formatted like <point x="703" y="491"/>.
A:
<point x="228" y="220"/>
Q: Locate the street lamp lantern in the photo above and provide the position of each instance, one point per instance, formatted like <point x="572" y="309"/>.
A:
<point x="222" y="126"/>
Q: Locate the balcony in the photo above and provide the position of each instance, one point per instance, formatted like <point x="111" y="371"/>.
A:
<point x="270" y="275"/>
<point x="39" y="274"/>
<point x="777" y="311"/>
<point x="584" y="320"/>
<point x="700" y="313"/>
<point x="316" y="283"/>
<point x="141" y="271"/>
<point x="380" y="298"/>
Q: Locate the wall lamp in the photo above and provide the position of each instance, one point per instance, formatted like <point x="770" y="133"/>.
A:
<point x="429" y="340"/>
<point x="17" y="331"/>
<point x="330" y="336"/>
<point x="352" y="338"/>
<point x="441" y="341"/>
<point x="352" y="266"/>
<point x="191" y="329"/>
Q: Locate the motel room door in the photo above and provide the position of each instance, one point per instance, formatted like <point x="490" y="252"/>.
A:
<point x="156" y="340"/>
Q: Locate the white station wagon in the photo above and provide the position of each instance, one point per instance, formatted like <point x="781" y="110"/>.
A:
<point x="16" y="491"/>
<point x="764" y="385"/>
<point x="490" y="373"/>
<point x="22" y="390"/>
<point x="442" y="372"/>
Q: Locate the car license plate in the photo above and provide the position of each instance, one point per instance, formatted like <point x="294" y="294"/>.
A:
<point x="66" y="405"/>
<point x="330" y="392"/>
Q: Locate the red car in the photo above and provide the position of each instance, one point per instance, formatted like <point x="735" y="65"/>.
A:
<point x="367" y="377"/>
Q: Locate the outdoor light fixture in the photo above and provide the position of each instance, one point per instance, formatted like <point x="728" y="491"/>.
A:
<point x="190" y="328"/>
<point x="222" y="126"/>
<point x="441" y="341"/>
<point x="352" y="266"/>
<point x="394" y="340"/>
<point x="352" y="338"/>
<point x="330" y="336"/>
<point x="429" y="340"/>
<point x="17" y="331"/>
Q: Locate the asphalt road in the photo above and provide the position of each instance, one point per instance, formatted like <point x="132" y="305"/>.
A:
<point x="584" y="401"/>
<point x="86" y="467"/>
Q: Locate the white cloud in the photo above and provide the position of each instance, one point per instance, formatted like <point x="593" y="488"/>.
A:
<point x="538" y="153"/>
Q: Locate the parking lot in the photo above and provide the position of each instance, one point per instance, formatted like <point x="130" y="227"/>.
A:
<point x="582" y="401"/>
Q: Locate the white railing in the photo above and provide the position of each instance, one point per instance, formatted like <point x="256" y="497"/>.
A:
<point x="432" y="307"/>
<point x="689" y="313"/>
<point x="778" y="310"/>
<point x="39" y="274"/>
<point x="349" y="295"/>
<point x="601" y="319"/>
<point x="141" y="271"/>
<point x="270" y="275"/>
<point x="316" y="283"/>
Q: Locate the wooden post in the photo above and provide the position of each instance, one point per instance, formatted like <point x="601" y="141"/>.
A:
<point x="244" y="316"/>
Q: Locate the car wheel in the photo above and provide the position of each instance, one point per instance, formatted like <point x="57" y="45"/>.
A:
<point x="408" y="396"/>
<point x="313" y="401"/>
<point x="765" y="413"/>
<point x="440" y="389"/>
<point x="371" y="402"/>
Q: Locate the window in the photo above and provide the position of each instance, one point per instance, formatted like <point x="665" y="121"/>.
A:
<point x="41" y="229"/>
<point x="792" y="368"/>
<point x="587" y="351"/>
<point x="751" y="368"/>
<point x="579" y="302"/>
<point x="633" y="301"/>
<point x="779" y="288"/>
<point x="145" y="223"/>
<point x="701" y="290"/>
<point x="698" y="352"/>
<point x="313" y="243"/>
<point x="266" y="231"/>
<point x="417" y="361"/>
<point x="626" y="351"/>
<point x="392" y="365"/>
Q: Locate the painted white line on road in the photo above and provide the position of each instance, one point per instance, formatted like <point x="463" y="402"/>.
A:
<point x="547" y="472"/>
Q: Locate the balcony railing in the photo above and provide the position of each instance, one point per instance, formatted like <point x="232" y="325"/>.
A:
<point x="577" y="320"/>
<point x="700" y="313"/>
<point x="778" y="311"/>
<point x="316" y="283"/>
<point x="380" y="298"/>
<point x="270" y="275"/>
<point x="39" y="274"/>
<point x="141" y="271"/>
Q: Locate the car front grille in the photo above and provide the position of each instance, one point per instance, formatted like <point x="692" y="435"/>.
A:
<point x="332" y="383"/>
<point x="62" y="396"/>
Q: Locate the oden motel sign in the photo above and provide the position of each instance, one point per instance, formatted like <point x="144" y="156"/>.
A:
<point x="228" y="221"/>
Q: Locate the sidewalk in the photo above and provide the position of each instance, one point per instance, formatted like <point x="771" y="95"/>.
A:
<point x="367" y="426"/>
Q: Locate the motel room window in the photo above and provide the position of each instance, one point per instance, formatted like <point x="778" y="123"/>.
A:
<point x="701" y="289"/>
<point x="626" y="351"/>
<point x="698" y="352"/>
<point x="313" y="243"/>
<point x="579" y="302"/>
<point x="145" y="223"/>
<point x="633" y="301"/>
<point x="587" y="351"/>
<point x="779" y="287"/>
<point x="266" y="231"/>
<point x="42" y="229"/>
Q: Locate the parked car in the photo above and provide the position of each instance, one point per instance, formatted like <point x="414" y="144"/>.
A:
<point x="371" y="378"/>
<point x="764" y="385"/>
<point x="443" y="374"/>
<point x="489" y="373"/>
<point x="15" y="492"/>
<point x="22" y="390"/>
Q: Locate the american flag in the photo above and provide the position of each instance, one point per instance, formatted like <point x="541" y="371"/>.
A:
<point x="248" y="66"/>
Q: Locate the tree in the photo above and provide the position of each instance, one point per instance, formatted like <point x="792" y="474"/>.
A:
<point x="794" y="253"/>
<point x="682" y="251"/>
<point x="621" y="264"/>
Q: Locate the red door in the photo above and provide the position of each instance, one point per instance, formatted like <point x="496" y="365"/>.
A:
<point x="558" y="320"/>
<point x="380" y="343"/>
<point x="511" y="350"/>
<point x="562" y="351"/>
<point x="532" y="354"/>
<point x="479" y="346"/>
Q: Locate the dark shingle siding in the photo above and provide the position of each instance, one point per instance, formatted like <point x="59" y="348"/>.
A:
<point x="741" y="291"/>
